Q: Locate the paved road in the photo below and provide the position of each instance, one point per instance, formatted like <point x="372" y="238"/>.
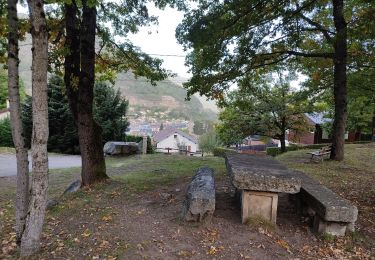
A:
<point x="8" y="165"/>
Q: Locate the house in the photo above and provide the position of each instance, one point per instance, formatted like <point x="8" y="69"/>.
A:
<point x="317" y="134"/>
<point x="175" y="139"/>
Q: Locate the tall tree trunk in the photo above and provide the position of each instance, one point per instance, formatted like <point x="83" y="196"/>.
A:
<point x="80" y="79"/>
<point x="373" y="123"/>
<point x="30" y="243"/>
<point x="89" y="132"/>
<point x="340" y="85"/>
<point x="22" y="194"/>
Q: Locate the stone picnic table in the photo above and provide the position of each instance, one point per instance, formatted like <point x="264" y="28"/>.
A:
<point x="260" y="179"/>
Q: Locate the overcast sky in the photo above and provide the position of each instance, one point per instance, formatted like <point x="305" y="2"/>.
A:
<point x="162" y="40"/>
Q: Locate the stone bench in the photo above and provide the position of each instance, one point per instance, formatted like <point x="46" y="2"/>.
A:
<point x="199" y="204"/>
<point x="329" y="212"/>
<point x="260" y="179"/>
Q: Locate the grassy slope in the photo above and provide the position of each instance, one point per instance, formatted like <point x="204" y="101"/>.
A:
<point x="139" y="173"/>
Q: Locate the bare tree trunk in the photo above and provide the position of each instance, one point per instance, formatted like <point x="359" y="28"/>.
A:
<point x="22" y="194"/>
<point x="340" y="85"/>
<point x="30" y="243"/>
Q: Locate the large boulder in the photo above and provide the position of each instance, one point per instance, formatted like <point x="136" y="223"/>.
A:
<point x="120" y="148"/>
<point x="199" y="204"/>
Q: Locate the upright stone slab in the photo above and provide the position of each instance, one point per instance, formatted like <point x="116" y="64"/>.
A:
<point x="199" y="204"/>
<point x="259" y="204"/>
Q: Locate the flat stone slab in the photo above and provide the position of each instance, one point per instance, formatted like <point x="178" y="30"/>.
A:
<point x="261" y="173"/>
<point x="199" y="204"/>
<point x="327" y="204"/>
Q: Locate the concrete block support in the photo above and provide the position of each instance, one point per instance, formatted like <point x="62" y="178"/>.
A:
<point x="328" y="227"/>
<point x="259" y="204"/>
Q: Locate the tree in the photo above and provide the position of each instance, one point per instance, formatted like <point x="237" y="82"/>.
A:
<point x="209" y="141"/>
<point x="79" y="66"/>
<point x="266" y="106"/>
<point x="22" y="193"/>
<point x="232" y="39"/>
<point x="30" y="242"/>
<point x="109" y="109"/>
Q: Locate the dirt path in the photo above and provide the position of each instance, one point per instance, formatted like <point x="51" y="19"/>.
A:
<point x="114" y="223"/>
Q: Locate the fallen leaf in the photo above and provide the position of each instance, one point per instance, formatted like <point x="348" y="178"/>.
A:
<point x="86" y="233"/>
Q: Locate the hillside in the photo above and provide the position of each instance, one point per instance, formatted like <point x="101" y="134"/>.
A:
<point x="165" y="101"/>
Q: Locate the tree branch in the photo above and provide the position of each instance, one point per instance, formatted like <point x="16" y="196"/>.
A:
<point x="318" y="26"/>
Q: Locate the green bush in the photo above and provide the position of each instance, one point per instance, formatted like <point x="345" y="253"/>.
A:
<point x="137" y="139"/>
<point x="273" y="151"/>
<point x="221" y="151"/>
<point x="6" y="133"/>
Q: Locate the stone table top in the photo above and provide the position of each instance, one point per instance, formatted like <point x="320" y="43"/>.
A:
<point x="261" y="173"/>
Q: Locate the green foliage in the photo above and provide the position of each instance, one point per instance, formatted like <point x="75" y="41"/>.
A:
<point x="5" y="133"/>
<point x="109" y="111"/>
<point x="137" y="139"/>
<point x="209" y="141"/>
<point x="4" y="89"/>
<point x="221" y="151"/>
<point x="233" y="39"/>
<point x="264" y="106"/>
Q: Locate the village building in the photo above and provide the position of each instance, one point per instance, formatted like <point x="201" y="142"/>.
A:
<point x="176" y="140"/>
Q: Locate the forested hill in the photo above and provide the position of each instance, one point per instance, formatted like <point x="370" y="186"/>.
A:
<point x="166" y="99"/>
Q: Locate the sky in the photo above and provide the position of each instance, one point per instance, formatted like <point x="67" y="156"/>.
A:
<point x="160" y="39"/>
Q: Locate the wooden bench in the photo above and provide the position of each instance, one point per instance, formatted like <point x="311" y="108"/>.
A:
<point x="325" y="150"/>
<point x="328" y="212"/>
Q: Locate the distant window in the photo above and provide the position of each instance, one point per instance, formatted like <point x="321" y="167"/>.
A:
<point x="175" y="136"/>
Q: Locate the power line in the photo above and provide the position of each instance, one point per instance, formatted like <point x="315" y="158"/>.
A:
<point x="151" y="54"/>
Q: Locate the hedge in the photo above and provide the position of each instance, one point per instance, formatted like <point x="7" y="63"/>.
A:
<point x="5" y="133"/>
<point x="221" y="151"/>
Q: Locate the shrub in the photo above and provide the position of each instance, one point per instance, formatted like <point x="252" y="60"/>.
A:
<point x="6" y="133"/>
<point x="221" y="151"/>
<point x="137" y="139"/>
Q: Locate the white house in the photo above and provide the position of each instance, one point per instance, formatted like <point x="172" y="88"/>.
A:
<point x="175" y="139"/>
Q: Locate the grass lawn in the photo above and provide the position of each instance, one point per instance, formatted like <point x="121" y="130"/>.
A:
<point x="136" y="214"/>
<point x="353" y="179"/>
